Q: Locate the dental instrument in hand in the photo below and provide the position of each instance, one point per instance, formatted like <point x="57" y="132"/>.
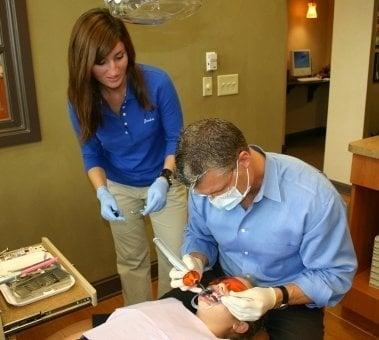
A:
<point x="136" y="212"/>
<point x="192" y="277"/>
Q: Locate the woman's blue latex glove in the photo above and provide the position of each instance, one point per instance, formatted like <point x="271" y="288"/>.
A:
<point x="109" y="208"/>
<point x="156" y="196"/>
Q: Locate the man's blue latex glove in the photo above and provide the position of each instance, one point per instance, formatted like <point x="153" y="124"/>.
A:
<point x="156" y="196"/>
<point x="109" y="208"/>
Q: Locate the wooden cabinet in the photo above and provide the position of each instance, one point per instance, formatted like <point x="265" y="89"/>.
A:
<point x="364" y="226"/>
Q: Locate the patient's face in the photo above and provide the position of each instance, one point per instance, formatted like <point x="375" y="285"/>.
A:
<point x="210" y="309"/>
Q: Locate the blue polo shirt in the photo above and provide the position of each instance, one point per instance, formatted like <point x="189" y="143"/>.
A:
<point x="131" y="146"/>
<point x="296" y="231"/>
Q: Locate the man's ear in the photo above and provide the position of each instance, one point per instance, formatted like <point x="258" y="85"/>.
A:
<point x="244" y="158"/>
<point x="240" y="327"/>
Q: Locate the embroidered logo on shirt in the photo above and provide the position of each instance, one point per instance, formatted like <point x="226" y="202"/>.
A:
<point x="148" y="120"/>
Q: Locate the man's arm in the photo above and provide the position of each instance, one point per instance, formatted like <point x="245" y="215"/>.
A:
<point x="328" y="254"/>
<point x="295" y="296"/>
<point x="197" y="237"/>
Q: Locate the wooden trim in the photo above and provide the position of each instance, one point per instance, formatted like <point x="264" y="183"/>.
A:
<point x="111" y="286"/>
<point x="342" y="188"/>
<point x="365" y="172"/>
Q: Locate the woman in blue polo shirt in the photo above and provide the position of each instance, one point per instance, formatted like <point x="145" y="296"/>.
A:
<point x="128" y="118"/>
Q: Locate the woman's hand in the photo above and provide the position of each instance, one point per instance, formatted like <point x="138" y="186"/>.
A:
<point x="109" y="207"/>
<point x="156" y="196"/>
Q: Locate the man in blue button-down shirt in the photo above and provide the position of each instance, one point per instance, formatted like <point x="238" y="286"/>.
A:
<point x="268" y="217"/>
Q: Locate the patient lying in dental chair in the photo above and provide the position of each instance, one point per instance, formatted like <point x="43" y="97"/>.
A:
<point x="169" y="319"/>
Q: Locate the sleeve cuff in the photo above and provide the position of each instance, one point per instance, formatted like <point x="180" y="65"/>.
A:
<point x="320" y="294"/>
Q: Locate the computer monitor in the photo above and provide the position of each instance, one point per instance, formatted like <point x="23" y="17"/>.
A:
<point x="301" y="63"/>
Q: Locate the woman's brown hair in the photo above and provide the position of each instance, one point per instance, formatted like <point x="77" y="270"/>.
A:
<point x="93" y="37"/>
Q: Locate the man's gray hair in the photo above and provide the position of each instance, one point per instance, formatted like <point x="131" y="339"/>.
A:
<point x="207" y="144"/>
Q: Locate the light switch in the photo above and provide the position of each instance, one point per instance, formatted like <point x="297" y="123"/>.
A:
<point x="207" y="86"/>
<point x="227" y="84"/>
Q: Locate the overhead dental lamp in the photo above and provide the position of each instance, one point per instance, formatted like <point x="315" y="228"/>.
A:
<point x="152" y="12"/>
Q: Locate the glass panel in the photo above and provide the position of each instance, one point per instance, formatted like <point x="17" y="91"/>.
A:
<point x="4" y="107"/>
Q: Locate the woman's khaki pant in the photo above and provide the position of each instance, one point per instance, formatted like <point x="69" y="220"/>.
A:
<point x="132" y="244"/>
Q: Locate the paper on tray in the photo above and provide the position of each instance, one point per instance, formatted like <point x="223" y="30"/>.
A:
<point x="21" y="262"/>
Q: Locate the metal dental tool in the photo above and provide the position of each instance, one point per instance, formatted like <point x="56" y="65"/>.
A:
<point x="136" y="213"/>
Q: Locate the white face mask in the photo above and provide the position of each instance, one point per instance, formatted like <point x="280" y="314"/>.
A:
<point x="231" y="198"/>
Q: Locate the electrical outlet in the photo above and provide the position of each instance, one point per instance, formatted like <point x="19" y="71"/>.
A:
<point x="227" y="84"/>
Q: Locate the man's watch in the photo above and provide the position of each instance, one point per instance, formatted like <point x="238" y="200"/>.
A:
<point x="285" y="296"/>
<point x="167" y="173"/>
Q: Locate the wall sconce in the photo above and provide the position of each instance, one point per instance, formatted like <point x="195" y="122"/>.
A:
<point x="312" y="11"/>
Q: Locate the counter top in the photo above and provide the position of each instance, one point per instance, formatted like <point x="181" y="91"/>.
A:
<point x="368" y="147"/>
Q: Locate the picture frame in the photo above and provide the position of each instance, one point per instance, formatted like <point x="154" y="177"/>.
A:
<point x="377" y="31"/>
<point x="376" y="68"/>
<point x="19" y="121"/>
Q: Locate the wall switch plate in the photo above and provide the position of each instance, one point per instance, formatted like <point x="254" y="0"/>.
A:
<point x="211" y="61"/>
<point x="227" y="84"/>
<point x="207" y="86"/>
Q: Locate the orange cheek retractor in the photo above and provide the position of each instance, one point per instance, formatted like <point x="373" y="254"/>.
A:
<point x="213" y="295"/>
<point x="232" y="283"/>
<point x="191" y="278"/>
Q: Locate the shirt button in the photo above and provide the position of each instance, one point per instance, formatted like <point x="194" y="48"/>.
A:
<point x="123" y="106"/>
<point x="243" y="230"/>
<point x="126" y="132"/>
<point x="246" y="252"/>
<point x="247" y="276"/>
<point x="124" y="114"/>
<point x="125" y="124"/>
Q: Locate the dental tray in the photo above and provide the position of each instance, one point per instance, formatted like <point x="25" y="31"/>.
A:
<point x="36" y="286"/>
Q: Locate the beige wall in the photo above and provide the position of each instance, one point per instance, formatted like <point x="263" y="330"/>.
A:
<point x="44" y="191"/>
<point x="352" y="38"/>
<point x="238" y="31"/>
<point x="316" y="35"/>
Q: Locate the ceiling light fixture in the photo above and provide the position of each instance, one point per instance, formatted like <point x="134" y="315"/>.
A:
<point x="152" y="12"/>
<point x="312" y="11"/>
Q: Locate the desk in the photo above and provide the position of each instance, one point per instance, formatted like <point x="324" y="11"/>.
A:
<point x="364" y="225"/>
<point x="81" y="294"/>
<point x="311" y="85"/>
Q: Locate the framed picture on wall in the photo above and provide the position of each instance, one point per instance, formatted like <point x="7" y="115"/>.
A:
<point x="376" y="68"/>
<point x="377" y="30"/>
